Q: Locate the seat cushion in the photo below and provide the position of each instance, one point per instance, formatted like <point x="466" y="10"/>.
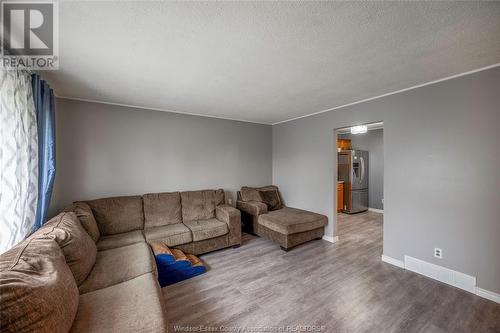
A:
<point x="118" y="214"/>
<point x="117" y="265"/>
<point x="172" y="235"/>
<point x="132" y="306"/>
<point x="198" y="205"/>
<point x="162" y="209"/>
<point x="37" y="289"/>
<point x="205" y="229"/>
<point x="78" y="248"/>
<point x="86" y="217"/>
<point x="118" y="240"/>
<point x="292" y="220"/>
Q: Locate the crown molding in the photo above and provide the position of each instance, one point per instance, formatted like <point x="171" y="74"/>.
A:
<point x="160" y="109"/>
<point x="391" y="93"/>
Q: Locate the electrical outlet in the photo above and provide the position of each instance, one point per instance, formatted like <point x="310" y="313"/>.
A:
<point x="438" y="253"/>
<point x="230" y="201"/>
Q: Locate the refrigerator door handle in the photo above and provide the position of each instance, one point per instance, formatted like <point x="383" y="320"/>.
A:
<point x="362" y="178"/>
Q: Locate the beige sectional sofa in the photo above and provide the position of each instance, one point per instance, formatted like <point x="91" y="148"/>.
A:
<point x="264" y="213"/>
<point x="193" y="221"/>
<point x="90" y="269"/>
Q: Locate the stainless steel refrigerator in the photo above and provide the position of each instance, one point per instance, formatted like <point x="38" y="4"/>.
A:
<point x="353" y="170"/>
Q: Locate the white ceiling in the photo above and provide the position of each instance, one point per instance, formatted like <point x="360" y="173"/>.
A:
<point x="265" y="61"/>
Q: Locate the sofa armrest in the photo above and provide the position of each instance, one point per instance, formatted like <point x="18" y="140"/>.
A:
<point x="254" y="208"/>
<point x="232" y="217"/>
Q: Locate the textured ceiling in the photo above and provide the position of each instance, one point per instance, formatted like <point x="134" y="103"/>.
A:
<point x="265" y="61"/>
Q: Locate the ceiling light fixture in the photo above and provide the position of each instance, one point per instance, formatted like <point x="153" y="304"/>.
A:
<point x="359" y="129"/>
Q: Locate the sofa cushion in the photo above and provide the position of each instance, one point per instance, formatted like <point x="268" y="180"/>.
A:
<point x="162" y="209"/>
<point x="172" y="234"/>
<point x="119" y="214"/>
<point x="292" y="220"/>
<point x="268" y="187"/>
<point x="132" y="306"/>
<point x="254" y="208"/>
<point x="271" y="198"/>
<point x="118" y="240"/>
<point x="253" y="193"/>
<point x="117" y="265"/>
<point x="198" y="205"/>
<point x="220" y="197"/>
<point x="77" y="246"/>
<point x="38" y="291"/>
<point x="86" y="217"/>
<point x="205" y="229"/>
<point x="250" y="194"/>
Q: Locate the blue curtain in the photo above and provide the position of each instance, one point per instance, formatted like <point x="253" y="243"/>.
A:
<point x="43" y="97"/>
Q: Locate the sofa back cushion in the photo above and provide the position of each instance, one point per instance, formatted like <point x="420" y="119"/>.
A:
<point x="271" y="188"/>
<point x="118" y="214"/>
<point x="271" y="198"/>
<point x="254" y="193"/>
<point x="39" y="293"/>
<point x="86" y="217"/>
<point x="220" y="197"/>
<point x="78" y="248"/>
<point x="162" y="209"/>
<point x="198" y="205"/>
<point x="250" y="194"/>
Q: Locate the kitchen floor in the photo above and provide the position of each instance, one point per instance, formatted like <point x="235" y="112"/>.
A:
<point x="341" y="287"/>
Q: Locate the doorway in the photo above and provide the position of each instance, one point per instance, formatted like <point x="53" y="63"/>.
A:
<point x="359" y="176"/>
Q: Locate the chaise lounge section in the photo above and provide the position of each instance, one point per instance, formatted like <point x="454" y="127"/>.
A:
<point x="263" y="213"/>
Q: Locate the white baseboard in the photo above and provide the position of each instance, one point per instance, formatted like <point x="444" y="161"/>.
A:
<point x="443" y="274"/>
<point x="488" y="295"/>
<point x="440" y="273"/>
<point x="375" y="210"/>
<point x="393" y="261"/>
<point x="331" y="239"/>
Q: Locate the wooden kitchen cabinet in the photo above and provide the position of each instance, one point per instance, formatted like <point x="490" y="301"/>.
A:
<point x="340" y="196"/>
<point x="344" y="144"/>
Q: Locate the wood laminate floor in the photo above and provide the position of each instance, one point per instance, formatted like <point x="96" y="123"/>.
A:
<point x="341" y="287"/>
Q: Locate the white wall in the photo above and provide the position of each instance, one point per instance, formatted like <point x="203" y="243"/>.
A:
<point x="441" y="184"/>
<point x="105" y="150"/>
